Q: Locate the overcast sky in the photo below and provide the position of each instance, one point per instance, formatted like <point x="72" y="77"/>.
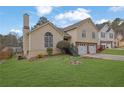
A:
<point x="11" y="17"/>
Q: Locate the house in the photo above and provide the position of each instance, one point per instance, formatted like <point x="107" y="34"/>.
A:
<point x="42" y="36"/>
<point x="45" y="34"/>
<point x="106" y="36"/>
<point x="84" y="36"/>
<point x="16" y="49"/>
<point x="121" y="43"/>
<point x="119" y="40"/>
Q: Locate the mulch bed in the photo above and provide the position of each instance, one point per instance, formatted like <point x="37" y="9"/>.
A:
<point x="74" y="62"/>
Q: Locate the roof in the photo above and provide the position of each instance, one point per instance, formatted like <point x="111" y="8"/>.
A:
<point x="66" y="29"/>
<point x="43" y="21"/>
<point x="60" y="30"/>
<point x="74" y="26"/>
<point x="109" y="29"/>
<point x="100" y="26"/>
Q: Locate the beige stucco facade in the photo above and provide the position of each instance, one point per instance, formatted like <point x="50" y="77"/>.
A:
<point x="36" y="40"/>
<point x="73" y="34"/>
<point x="119" y="41"/>
<point x="89" y="27"/>
<point x="121" y="44"/>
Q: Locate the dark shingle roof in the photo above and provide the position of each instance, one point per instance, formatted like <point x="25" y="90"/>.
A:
<point x="108" y="29"/>
<point x="68" y="28"/>
<point x="100" y="26"/>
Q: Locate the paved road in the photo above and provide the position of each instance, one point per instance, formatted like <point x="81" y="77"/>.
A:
<point x="106" y="56"/>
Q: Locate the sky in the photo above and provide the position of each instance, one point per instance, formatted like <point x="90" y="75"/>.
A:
<point x="11" y="17"/>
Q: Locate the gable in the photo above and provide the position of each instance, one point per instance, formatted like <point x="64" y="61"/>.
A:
<point x="48" y="26"/>
<point x="80" y="24"/>
<point x="111" y="31"/>
<point x="88" y="26"/>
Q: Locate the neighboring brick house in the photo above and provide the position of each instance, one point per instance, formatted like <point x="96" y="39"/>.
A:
<point x="106" y="36"/>
<point x="45" y="34"/>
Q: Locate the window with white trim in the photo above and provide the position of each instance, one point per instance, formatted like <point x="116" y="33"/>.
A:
<point x="102" y="34"/>
<point x="84" y="34"/>
<point x="48" y="39"/>
<point x="110" y="35"/>
<point x="93" y="35"/>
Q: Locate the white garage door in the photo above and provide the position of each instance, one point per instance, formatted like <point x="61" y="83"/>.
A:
<point x="109" y="45"/>
<point x="82" y="49"/>
<point x="92" y="48"/>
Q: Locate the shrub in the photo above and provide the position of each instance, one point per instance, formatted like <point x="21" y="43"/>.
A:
<point x="6" y="53"/>
<point x="40" y="55"/>
<point x="101" y="48"/>
<point x="49" y="51"/>
<point x="20" y="57"/>
<point x="63" y="45"/>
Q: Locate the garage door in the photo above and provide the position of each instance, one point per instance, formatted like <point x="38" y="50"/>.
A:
<point x="92" y="49"/>
<point x="108" y="45"/>
<point x="82" y="49"/>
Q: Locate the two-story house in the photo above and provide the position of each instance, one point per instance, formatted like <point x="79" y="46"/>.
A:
<point x="45" y="34"/>
<point x="83" y="35"/>
<point x="106" y="36"/>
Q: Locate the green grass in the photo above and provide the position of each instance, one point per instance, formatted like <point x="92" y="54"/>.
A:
<point x="56" y="71"/>
<point x="112" y="51"/>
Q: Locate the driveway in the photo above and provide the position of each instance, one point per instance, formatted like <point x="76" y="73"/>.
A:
<point x="106" y="56"/>
<point x="117" y="48"/>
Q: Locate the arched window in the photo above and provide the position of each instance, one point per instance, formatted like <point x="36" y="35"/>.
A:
<point x="48" y="39"/>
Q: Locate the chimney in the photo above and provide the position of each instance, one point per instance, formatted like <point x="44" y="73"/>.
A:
<point x="25" y="21"/>
<point x="25" y="34"/>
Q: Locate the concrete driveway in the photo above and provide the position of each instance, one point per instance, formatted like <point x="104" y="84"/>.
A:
<point x="117" y="48"/>
<point x="106" y="56"/>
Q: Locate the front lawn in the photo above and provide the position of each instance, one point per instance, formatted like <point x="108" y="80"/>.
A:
<point x="113" y="52"/>
<point x="56" y="71"/>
